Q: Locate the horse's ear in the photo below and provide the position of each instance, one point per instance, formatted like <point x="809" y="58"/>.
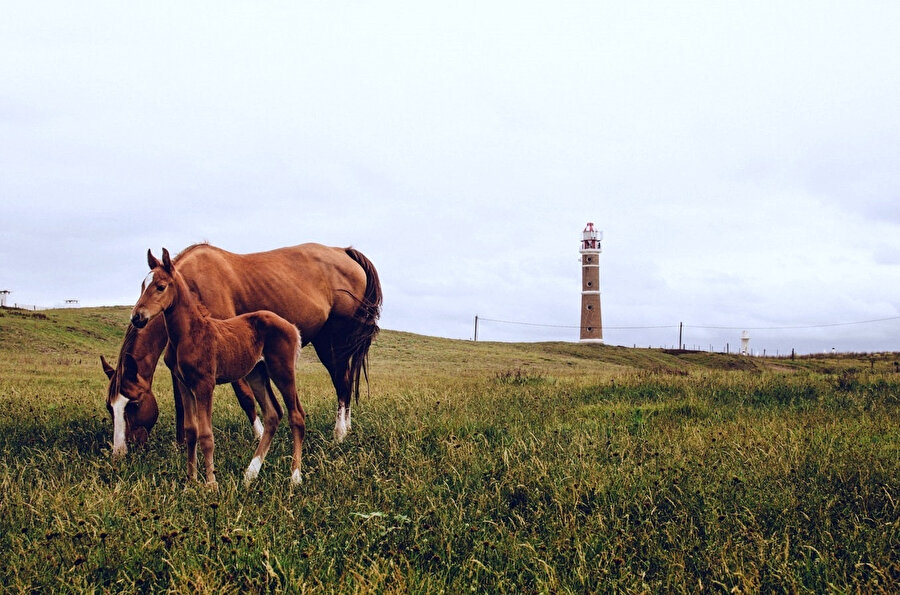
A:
<point x="166" y="261"/>
<point x="129" y="367"/>
<point x="107" y="369"/>
<point x="151" y="260"/>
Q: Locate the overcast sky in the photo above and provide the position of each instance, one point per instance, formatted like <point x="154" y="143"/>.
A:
<point x="741" y="158"/>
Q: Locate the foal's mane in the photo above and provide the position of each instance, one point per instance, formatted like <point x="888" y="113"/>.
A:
<point x="194" y="290"/>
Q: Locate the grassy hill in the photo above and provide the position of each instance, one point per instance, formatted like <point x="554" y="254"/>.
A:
<point x="90" y="332"/>
<point x="487" y="467"/>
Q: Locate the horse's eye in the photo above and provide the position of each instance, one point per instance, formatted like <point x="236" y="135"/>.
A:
<point x="160" y="287"/>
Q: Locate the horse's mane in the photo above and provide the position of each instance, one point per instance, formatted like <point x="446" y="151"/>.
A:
<point x="191" y="248"/>
<point x="127" y="343"/>
<point x="125" y="349"/>
<point x="196" y="290"/>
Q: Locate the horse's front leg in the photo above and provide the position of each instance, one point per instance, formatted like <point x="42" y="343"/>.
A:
<point x="179" y="411"/>
<point x="204" y="396"/>
<point x="189" y="429"/>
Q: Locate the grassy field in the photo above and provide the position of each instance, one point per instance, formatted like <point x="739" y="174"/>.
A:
<point x="471" y="467"/>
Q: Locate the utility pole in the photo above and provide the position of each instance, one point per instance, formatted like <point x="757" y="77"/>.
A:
<point x="680" y="328"/>
<point x="476" y="327"/>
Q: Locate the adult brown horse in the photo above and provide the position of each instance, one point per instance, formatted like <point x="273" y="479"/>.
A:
<point x="207" y="351"/>
<point x="333" y="295"/>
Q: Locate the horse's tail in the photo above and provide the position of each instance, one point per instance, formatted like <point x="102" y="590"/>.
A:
<point x="365" y="326"/>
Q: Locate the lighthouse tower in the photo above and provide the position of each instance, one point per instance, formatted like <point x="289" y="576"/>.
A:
<point x="591" y="322"/>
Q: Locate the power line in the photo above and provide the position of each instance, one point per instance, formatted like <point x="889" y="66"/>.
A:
<point x="698" y="326"/>
<point x="795" y="327"/>
<point x="571" y="326"/>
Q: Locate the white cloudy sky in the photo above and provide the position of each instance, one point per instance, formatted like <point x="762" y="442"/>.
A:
<point x="740" y="157"/>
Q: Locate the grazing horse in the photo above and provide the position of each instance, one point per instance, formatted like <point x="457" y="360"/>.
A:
<point x="333" y="295"/>
<point x="208" y="351"/>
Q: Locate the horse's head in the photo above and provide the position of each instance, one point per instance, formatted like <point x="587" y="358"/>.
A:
<point x="158" y="290"/>
<point x="130" y="403"/>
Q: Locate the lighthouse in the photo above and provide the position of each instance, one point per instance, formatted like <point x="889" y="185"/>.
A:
<point x="591" y="321"/>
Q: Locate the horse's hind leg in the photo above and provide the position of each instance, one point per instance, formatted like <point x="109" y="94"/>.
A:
<point x="245" y="396"/>
<point x="281" y="357"/>
<point x="258" y="380"/>
<point x="297" y="418"/>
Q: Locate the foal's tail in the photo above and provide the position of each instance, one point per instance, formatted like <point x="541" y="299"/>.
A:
<point x="366" y="321"/>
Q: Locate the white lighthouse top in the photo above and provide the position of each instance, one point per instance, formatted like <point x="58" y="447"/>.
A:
<point x="591" y="238"/>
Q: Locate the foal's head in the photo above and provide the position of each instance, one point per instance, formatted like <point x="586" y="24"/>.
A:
<point x="158" y="291"/>
<point x="130" y="403"/>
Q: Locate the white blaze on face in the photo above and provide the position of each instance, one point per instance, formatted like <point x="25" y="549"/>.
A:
<point x="340" y="424"/>
<point x="147" y="281"/>
<point x="118" y="407"/>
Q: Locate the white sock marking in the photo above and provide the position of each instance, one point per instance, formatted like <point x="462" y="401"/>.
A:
<point x="257" y="428"/>
<point x="118" y="407"/>
<point x="349" y="423"/>
<point x="296" y="478"/>
<point x="252" y="470"/>
<point x="340" y="425"/>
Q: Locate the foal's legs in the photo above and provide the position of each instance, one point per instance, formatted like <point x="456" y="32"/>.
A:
<point x="245" y="396"/>
<point x="297" y="419"/>
<point x="189" y="427"/>
<point x="178" y="391"/>
<point x="197" y="402"/>
<point x="258" y="380"/>
<point x="296" y="416"/>
<point x="204" y="397"/>
<point x="281" y="357"/>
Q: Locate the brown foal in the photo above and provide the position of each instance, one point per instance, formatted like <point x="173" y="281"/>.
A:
<point x="207" y="351"/>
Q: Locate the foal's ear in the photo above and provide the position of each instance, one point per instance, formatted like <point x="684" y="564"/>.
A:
<point x="166" y="261"/>
<point x="107" y="369"/>
<point x="151" y="260"/>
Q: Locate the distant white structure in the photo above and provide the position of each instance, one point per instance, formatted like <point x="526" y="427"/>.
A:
<point x="71" y="303"/>
<point x="3" y="294"/>
<point x="745" y="343"/>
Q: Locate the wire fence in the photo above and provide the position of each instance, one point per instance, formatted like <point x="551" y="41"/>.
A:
<point x="713" y="338"/>
<point x="31" y="307"/>
<point x="697" y="326"/>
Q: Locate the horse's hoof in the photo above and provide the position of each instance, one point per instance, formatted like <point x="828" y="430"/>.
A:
<point x="212" y="485"/>
<point x="296" y="478"/>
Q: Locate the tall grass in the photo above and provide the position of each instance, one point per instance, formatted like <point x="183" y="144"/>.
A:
<point x="470" y="467"/>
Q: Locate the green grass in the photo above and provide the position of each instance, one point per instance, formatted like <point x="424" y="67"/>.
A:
<point x="480" y="467"/>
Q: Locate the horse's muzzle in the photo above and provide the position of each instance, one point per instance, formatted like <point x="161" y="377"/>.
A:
<point x="139" y="320"/>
